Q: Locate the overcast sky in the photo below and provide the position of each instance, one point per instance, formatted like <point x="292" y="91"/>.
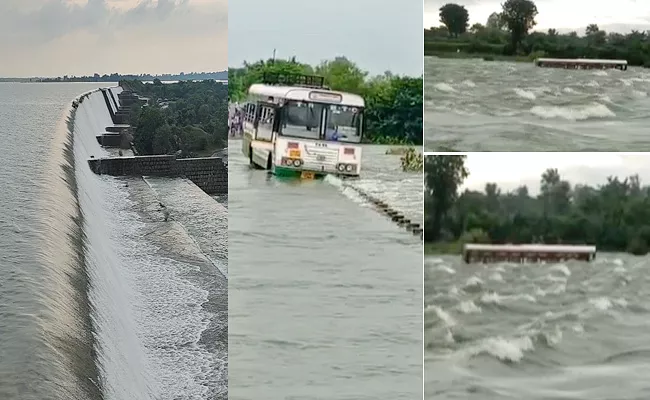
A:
<point x="377" y="35"/>
<point x="563" y="15"/>
<point x="511" y="170"/>
<point x="81" y="37"/>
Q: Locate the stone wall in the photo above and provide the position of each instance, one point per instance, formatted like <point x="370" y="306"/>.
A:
<point x="210" y="174"/>
<point x="110" y="139"/>
<point x="119" y="117"/>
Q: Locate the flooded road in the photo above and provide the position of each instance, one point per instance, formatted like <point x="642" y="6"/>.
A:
<point x="325" y="293"/>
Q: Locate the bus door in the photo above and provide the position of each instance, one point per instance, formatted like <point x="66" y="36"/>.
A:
<point x="267" y="121"/>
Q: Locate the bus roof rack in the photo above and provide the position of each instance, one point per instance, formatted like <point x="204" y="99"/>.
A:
<point x="310" y="81"/>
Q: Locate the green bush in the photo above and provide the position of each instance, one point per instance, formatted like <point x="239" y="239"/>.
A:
<point x="411" y="160"/>
<point x="637" y="246"/>
<point x="475" y="235"/>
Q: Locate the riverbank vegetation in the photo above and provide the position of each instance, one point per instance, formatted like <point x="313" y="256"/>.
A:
<point x="509" y="32"/>
<point x="411" y="160"/>
<point x="614" y="216"/>
<point x="190" y="117"/>
<point x="393" y="114"/>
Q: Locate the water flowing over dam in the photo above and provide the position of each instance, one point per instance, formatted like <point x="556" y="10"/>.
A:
<point x="153" y="299"/>
<point x="113" y="302"/>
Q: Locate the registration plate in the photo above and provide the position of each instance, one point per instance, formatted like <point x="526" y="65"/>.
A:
<point x="306" y="175"/>
<point x="294" y="153"/>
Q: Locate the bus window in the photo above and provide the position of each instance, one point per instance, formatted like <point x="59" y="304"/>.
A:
<point x="250" y="113"/>
<point x="302" y="120"/>
<point x="344" y="123"/>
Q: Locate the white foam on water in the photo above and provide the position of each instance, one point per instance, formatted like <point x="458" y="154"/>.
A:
<point x="525" y="94"/>
<point x="442" y="315"/>
<point x="473" y="282"/>
<point x="561" y="268"/>
<point x="557" y="289"/>
<point x="601" y="303"/>
<point x="491" y="298"/>
<point x="495" y="276"/>
<point x="444" y="87"/>
<point x="554" y="338"/>
<point x="347" y="191"/>
<point x="577" y="113"/>
<point x="468" y="307"/>
<point x="468" y="83"/>
<point x="446" y="268"/>
<point x="504" y="349"/>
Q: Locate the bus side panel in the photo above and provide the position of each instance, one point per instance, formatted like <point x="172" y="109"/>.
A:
<point x="261" y="155"/>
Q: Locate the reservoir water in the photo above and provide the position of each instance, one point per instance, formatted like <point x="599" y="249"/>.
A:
<point x="474" y="105"/>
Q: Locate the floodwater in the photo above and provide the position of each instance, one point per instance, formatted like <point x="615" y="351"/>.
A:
<point x="572" y="330"/>
<point x="102" y="299"/>
<point x="474" y="105"/>
<point x="325" y="293"/>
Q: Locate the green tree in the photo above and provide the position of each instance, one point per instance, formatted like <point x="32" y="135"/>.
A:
<point x="519" y="17"/>
<point x="342" y="74"/>
<point x="393" y="112"/>
<point x="614" y="216"/>
<point x="455" y="17"/>
<point x="591" y="29"/>
<point x="443" y="175"/>
<point x="494" y="21"/>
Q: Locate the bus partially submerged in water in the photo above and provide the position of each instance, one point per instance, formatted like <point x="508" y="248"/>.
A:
<point x="295" y="126"/>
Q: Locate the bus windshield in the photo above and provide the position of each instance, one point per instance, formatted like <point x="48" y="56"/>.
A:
<point x="344" y="124"/>
<point x="302" y="120"/>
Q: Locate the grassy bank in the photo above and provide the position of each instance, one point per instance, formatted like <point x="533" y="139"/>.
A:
<point x="449" y="248"/>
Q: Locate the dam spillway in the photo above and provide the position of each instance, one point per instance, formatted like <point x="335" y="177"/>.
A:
<point x="159" y="298"/>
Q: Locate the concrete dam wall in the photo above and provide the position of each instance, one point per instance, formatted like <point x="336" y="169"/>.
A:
<point x="209" y="173"/>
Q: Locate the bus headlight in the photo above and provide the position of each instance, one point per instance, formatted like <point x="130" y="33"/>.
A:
<point x="349" y="167"/>
<point x="291" y="162"/>
<point x="341" y="167"/>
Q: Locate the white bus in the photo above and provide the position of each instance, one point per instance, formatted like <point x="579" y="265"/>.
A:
<point x="294" y="126"/>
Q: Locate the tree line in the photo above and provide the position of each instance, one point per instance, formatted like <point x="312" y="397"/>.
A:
<point x="115" y="77"/>
<point x="393" y="113"/>
<point x="614" y="216"/>
<point x="508" y="32"/>
<point x="190" y="117"/>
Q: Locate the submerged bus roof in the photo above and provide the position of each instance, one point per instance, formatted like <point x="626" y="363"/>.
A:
<point x="298" y="93"/>
<point x="533" y="248"/>
<point x="581" y="61"/>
